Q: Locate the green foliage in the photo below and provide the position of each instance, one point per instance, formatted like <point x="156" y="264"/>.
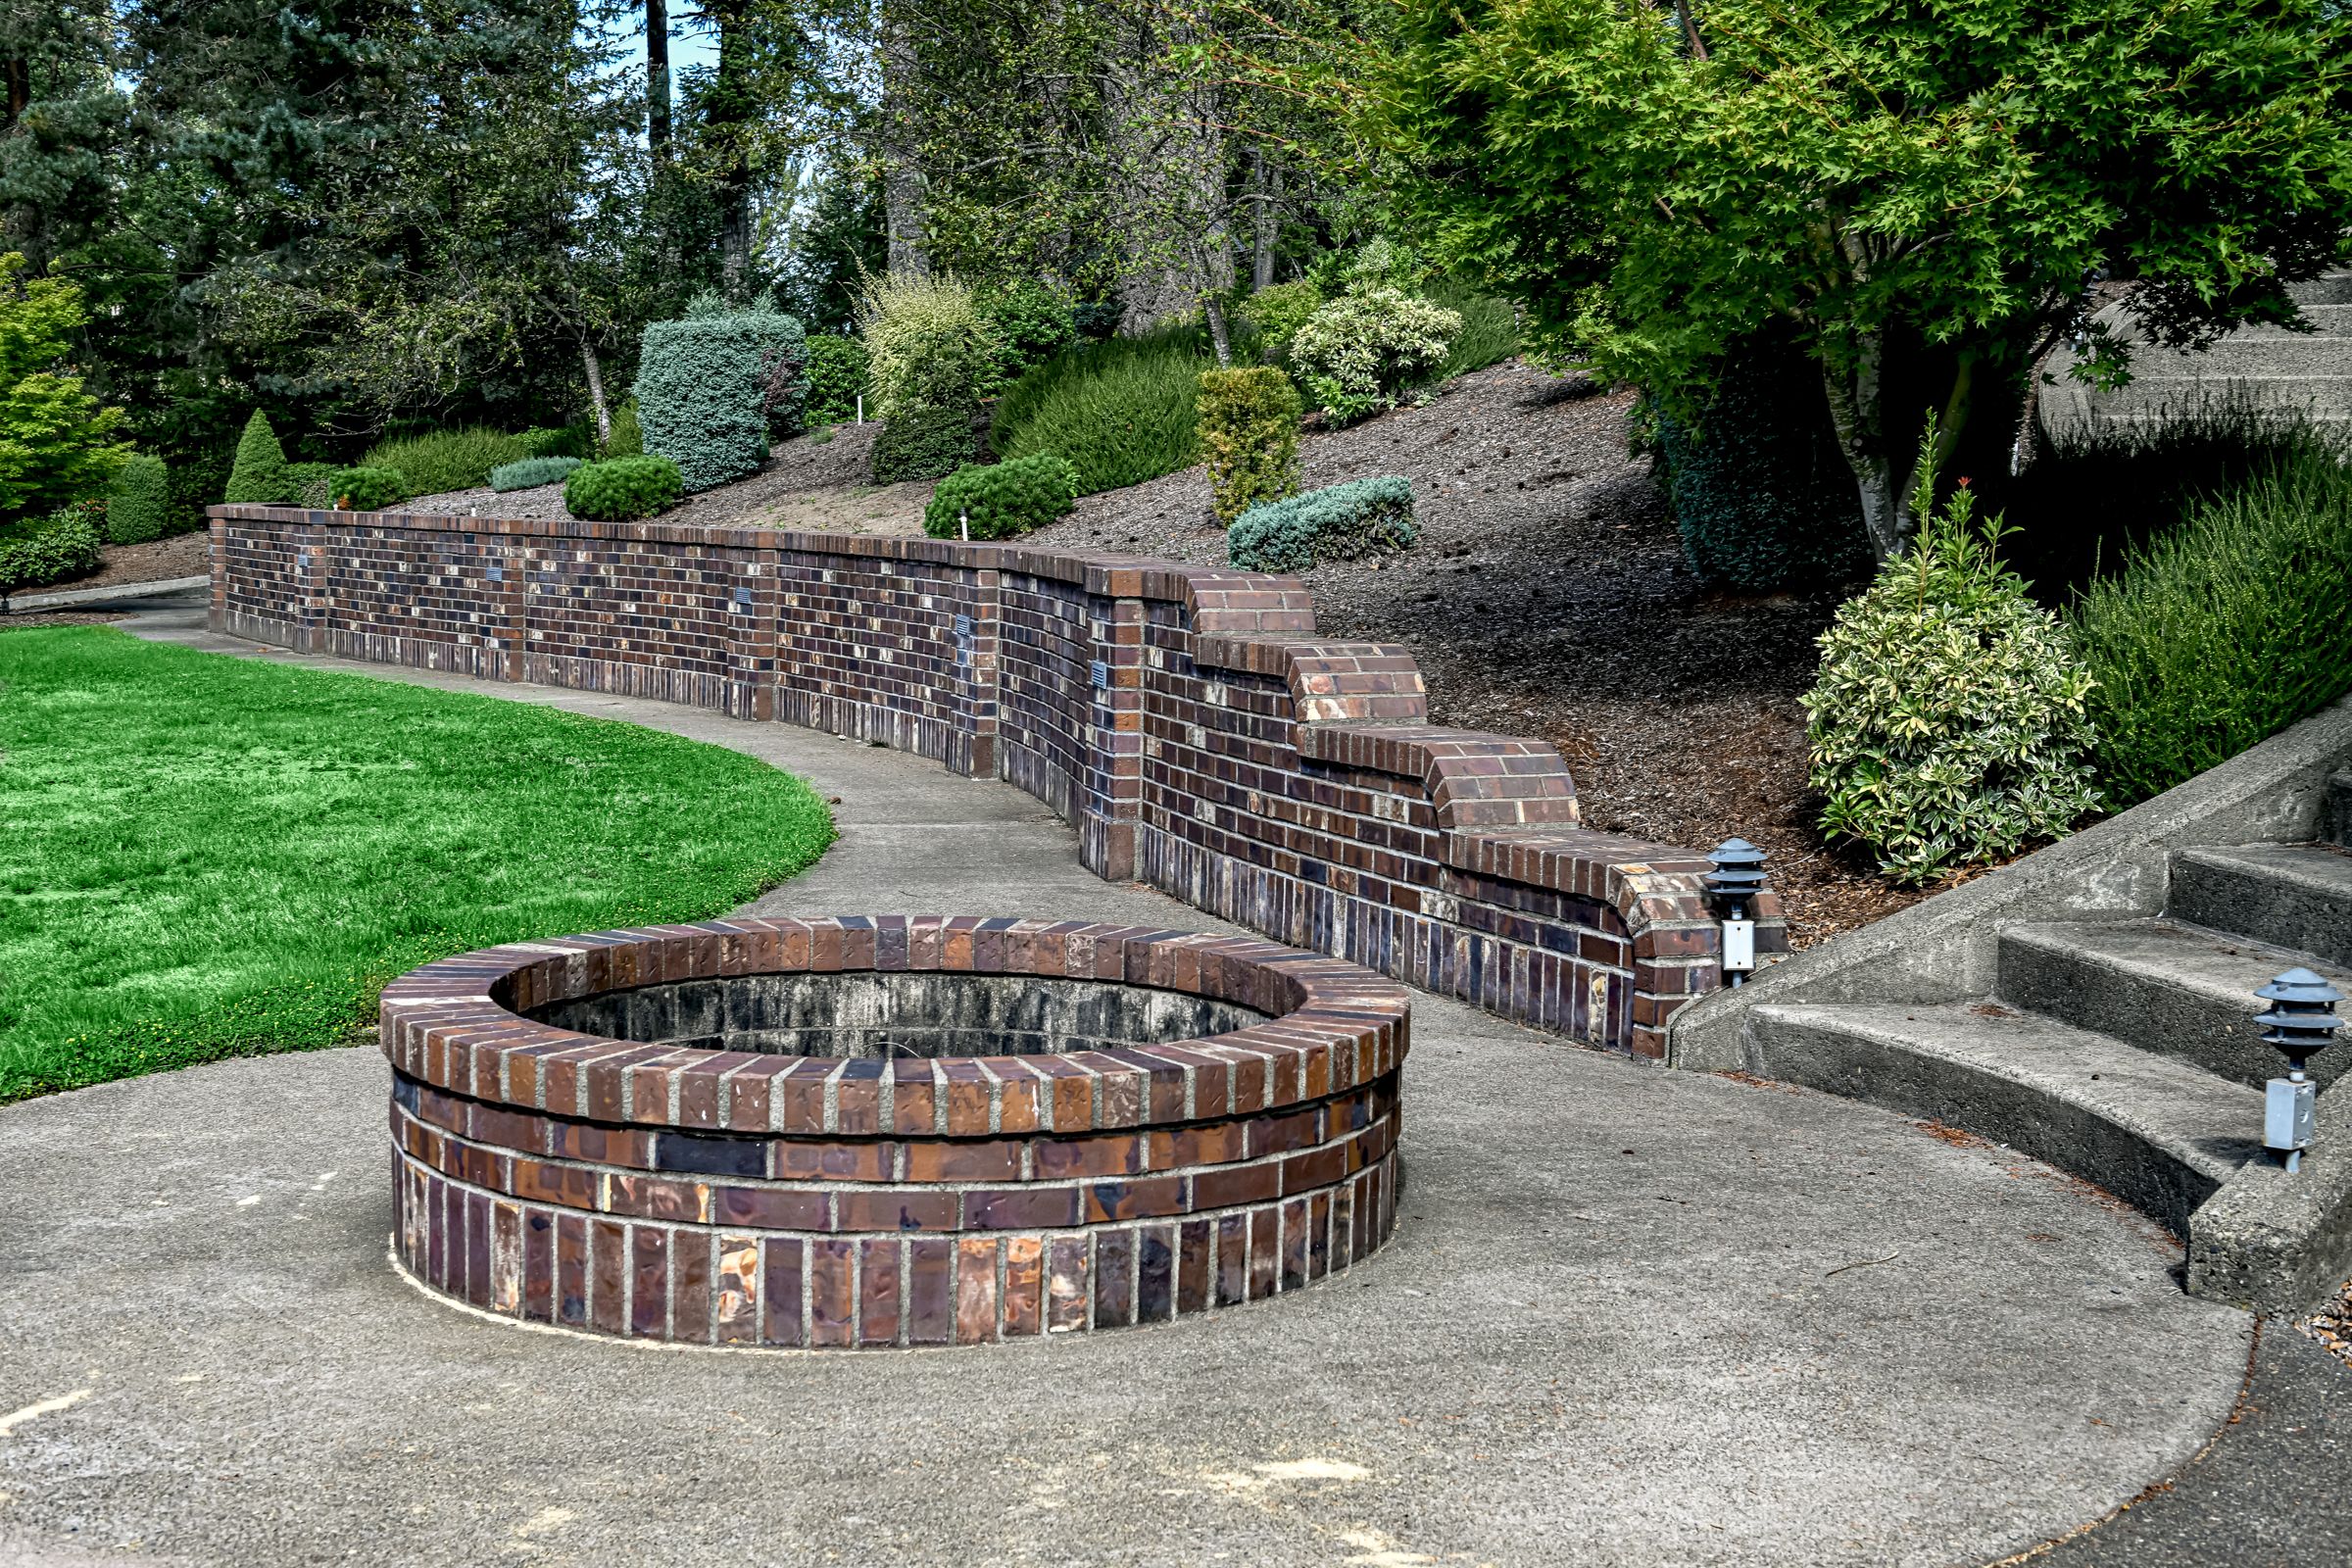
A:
<point x="1339" y="522"/>
<point x="2225" y="630"/>
<point x="1167" y="347"/>
<point x="713" y="389"/>
<point x="1950" y="723"/>
<point x="259" y="476"/>
<point x="922" y="443"/>
<point x="234" y="856"/>
<point x="837" y="378"/>
<point x="35" y="552"/>
<point x="313" y="483"/>
<point x="1126" y="414"/>
<point x="197" y="482"/>
<point x="1367" y="350"/>
<point x="1279" y="310"/>
<point x="366" y="489"/>
<point x="1922" y="191"/>
<point x="527" y="473"/>
<point x="443" y="462"/>
<point x="628" y="435"/>
<point x="927" y="345"/>
<point x="575" y="440"/>
<point x="1249" y="437"/>
<point x="1031" y="323"/>
<point x="622" y="489"/>
<point x="140" y="502"/>
<point x="1001" y="499"/>
<point x="57" y="443"/>
<point x="1760" y="494"/>
<point x="1490" y="331"/>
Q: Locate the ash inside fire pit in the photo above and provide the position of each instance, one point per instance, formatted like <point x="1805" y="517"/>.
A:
<point x="897" y="1015"/>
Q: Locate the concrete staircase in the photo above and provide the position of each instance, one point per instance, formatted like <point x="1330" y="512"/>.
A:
<point x="2106" y="1029"/>
<point x="2260" y="367"/>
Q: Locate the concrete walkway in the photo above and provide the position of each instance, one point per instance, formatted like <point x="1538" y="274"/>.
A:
<point x="1630" y="1317"/>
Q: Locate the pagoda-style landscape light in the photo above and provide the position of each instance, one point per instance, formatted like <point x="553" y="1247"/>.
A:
<point x="1736" y="881"/>
<point x="2301" y="1022"/>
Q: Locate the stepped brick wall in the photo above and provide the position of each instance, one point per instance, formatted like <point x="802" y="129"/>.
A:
<point x="1186" y="720"/>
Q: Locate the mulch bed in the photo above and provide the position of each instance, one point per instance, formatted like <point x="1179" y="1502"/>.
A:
<point x="2332" y="1324"/>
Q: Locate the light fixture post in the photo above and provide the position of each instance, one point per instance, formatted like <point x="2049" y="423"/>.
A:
<point x="1736" y="882"/>
<point x="2301" y="1022"/>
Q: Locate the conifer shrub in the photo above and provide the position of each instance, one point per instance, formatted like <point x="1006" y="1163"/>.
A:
<point x="837" y="376"/>
<point x="1130" y="412"/>
<point x="442" y="462"/>
<point x="713" y="389"/>
<point x="1339" y="522"/>
<point x="1031" y="323"/>
<point x="35" y="552"/>
<point x="923" y="442"/>
<point x="628" y="435"/>
<point x="622" y="489"/>
<point x="140" y="501"/>
<point x="1490" y="331"/>
<point x="1001" y="499"/>
<point x="1248" y="436"/>
<point x="927" y="345"/>
<point x="313" y="483"/>
<point x="257" y="476"/>
<point x="1370" y="348"/>
<point x="368" y="489"/>
<point x="529" y="473"/>
<point x="1950" y="723"/>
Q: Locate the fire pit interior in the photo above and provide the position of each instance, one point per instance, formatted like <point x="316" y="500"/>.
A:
<point x="888" y="1130"/>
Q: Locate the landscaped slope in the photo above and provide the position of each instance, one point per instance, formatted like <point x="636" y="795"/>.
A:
<point x="205" y="856"/>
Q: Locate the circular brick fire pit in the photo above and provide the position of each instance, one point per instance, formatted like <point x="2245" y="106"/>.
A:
<point x="887" y="1131"/>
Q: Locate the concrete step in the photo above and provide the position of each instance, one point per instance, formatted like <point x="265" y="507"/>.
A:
<point x="2334" y="289"/>
<point x="2336" y="811"/>
<point x="2329" y="321"/>
<point x="2165" y="986"/>
<point x="2297" y="896"/>
<point x="2271" y="354"/>
<point x="2156" y="1132"/>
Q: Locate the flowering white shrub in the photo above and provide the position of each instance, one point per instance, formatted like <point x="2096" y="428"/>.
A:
<point x="1363" y="351"/>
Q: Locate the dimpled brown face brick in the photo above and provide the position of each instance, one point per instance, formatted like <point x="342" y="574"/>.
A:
<point x="762" y="1132"/>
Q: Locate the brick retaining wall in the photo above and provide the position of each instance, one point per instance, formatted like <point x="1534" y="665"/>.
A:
<point x="1186" y="720"/>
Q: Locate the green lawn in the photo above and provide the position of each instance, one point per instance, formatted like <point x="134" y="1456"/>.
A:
<point x="204" y="857"/>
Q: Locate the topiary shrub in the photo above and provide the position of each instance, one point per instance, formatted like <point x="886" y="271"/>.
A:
<point x="35" y="552"/>
<point x="258" y="477"/>
<point x="444" y="462"/>
<point x="837" y="378"/>
<point x="140" y="501"/>
<point x="2223" y="631"/>
<point x="530" y="472"/>
<point x="1762" y="496"/>
<point x="1949" y="725"/>
<point x="923" y="442"/>
<point x="368" y="489"/>
<point x="1130" y="412"/>
<point x="1340" y="522"/>
<point x="1031" y="323"/>
<point x="622" y="489"/>
<point x="713" y="389"/>
<point x="1248" y="436"/>
<point x="1001" y="499"/>
<point x="1365" y="351"/>
<point x="1278" y="311"/>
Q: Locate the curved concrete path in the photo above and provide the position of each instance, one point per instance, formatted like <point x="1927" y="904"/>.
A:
<point x="1629" y="1317"/>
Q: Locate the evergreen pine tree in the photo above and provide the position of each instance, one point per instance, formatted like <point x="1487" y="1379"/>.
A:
<point x="259" y="476"/>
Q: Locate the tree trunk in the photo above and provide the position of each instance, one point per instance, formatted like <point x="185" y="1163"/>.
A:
<point x="596" y="394"/>
<point x="728" y="126"/>
<point x="1219" y="338"/>
<point x="1857" y="409"/>
<point x="1265" y="189"/>
<point x="902" y="174"/>
<point x="657" y="78"/>
<point x="17" y="74"/>
<point x="1173" y="209"/>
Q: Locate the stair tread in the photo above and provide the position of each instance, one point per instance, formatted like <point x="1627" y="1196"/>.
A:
<point x="2181" y="1107"/>
<point x="2213" y="962"/>
<point x="2321" y="867"/>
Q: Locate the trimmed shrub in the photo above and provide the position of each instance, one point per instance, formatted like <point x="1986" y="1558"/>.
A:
<point x="1761" y="494"/>
<point x="1340" y="522"/>
<point x="530" y="472"/>
<point x="258" y="477"/>
<point x="1279" y="310"/>
<point x="1364" y="352"/>
<point x="622" y="489"/>
<point x="1249" y="437"/>
<point x="1490" y="331"/>
<point x="140" y="501"/>
<point x="711" y="390"/>
<point x="1127" y="412"/>
<point x="927" y="346"/>
<point x="1949" y="725"/>
<point x="837" y="376"/>
<point x="443" y="462"/>
<point x="2223" y="631"/>
<point x="1031" y="323"/>
<point x="313" y="483"/>
<point x="922" y="443"/>
<point x="368" y="489"/>
<point x="1003" y="499"/>
<point x="35" y="552"/>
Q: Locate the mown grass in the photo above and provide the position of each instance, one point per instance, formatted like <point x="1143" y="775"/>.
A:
<point x="204" y="857"/>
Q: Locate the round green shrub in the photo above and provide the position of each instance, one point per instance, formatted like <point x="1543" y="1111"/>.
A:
<point x="529" y="473"/>
<point x="712" y="389"/>
<point x="368" y="489"/>
<point x="313" y="483"/>
<point x="258" y="477"/>
<point x="622" y="489"/>
<point x="922" y="443"/>
<point x="35" y="552"/>
<point x="1031" y="323"/>
<point x="1339" y="522"/>
<point x="1001" y="499"/>
<point x="1133" y="418"/>
<point x="140" y="499"/>
<point x="1365" y="351"/>
<point x="837" y="369"/>
<point x="1249" y="437"/>
<point x="1950" y="723"/>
